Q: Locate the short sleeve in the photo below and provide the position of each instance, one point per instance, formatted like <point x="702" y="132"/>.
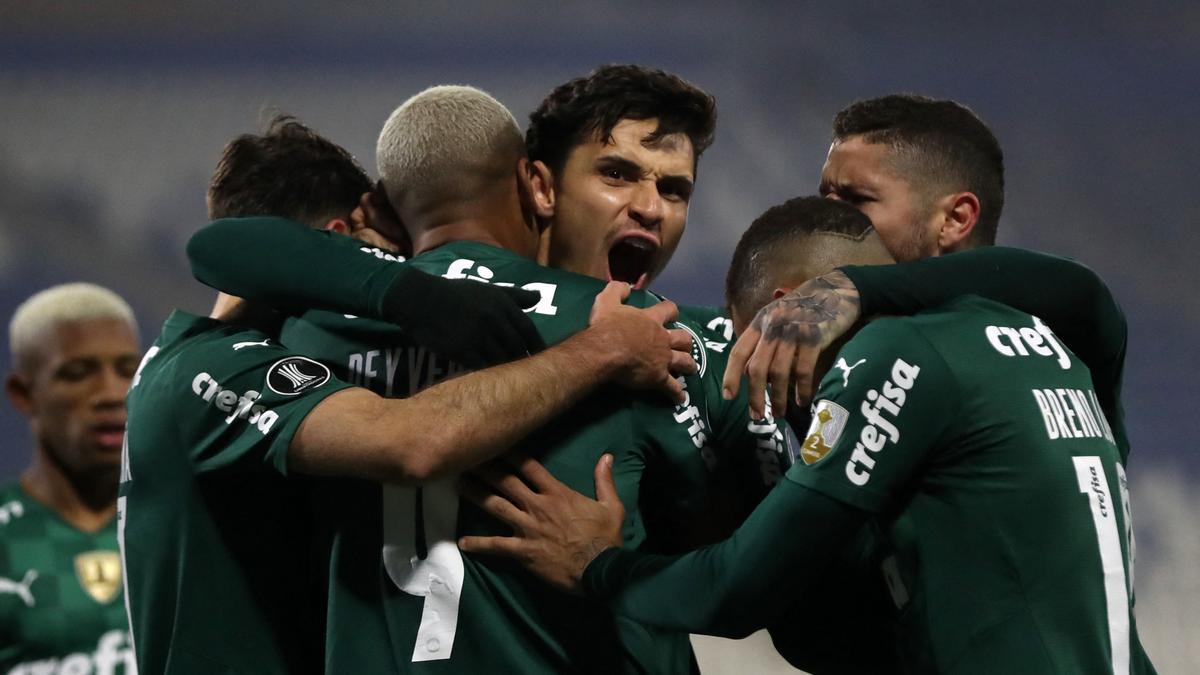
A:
<point x="881" y="411"/>
<point x="241" y="402"/>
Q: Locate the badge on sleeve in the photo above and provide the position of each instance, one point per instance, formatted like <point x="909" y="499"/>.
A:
<point x="99" y="573"/>
<point x="828" y="421"/>
<point x="296" y="375"/>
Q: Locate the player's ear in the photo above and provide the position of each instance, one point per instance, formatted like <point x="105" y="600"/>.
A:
<point x="541" y="186"/>
<point x="19" y="392"/>
<point x="780" y="292"/>
<point x="960" y="212"/>
<point x="339" y="225"/>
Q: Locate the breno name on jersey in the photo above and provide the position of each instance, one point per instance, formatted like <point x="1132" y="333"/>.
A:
<point x="1072" y="413"/>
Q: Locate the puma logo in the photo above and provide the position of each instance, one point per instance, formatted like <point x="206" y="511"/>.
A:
<point x="242" y="345"/>
<point x="841" y="365"/>
<point x="20" y="589"/>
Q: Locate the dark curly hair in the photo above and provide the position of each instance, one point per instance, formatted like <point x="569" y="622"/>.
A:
<point x="589" y="107"/>
<point x="289" y="171"/>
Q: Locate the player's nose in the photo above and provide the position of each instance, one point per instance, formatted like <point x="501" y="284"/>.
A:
<point x="646" y="206"/>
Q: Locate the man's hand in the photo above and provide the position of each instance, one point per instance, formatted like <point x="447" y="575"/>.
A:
<point x="468" y="322"/>
<point x="375" y="222"/>
<point x="649" y="355"/>
<point x="557" y="532"/>
<point x="780" y="348"/>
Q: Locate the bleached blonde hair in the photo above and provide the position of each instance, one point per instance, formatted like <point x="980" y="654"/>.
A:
<point x="447" y="143"/>
<point x="65" y="303"/>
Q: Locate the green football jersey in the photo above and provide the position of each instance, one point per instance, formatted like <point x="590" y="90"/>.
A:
<point x="395" y="570"/>
<point x="61" y="608"/>
<point x="978" y="443"/>
<point x="216" y="536"/>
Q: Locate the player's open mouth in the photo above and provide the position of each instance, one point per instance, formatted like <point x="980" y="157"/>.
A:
<point x="109" y="434"/>
<point x="631" y="258"/>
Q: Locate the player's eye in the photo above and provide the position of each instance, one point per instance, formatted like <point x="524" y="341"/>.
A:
<point x="127" y="366"/>
<point x="675" y="190"/>
<point x="74" y="371"/>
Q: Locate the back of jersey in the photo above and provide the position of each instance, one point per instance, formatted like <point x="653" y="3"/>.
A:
<point x="1040" y="574"/>
<point x="214" y="532"/>
<point x="977" y="439"/>
<point x="442" y="611"/>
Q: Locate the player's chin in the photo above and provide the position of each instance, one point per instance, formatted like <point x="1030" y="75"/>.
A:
<point x="103" y="454"/>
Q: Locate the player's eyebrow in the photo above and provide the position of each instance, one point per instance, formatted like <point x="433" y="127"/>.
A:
<point x="680" y="184"/>
<point x="622" y="164"/>
<point x="845" y="189"/>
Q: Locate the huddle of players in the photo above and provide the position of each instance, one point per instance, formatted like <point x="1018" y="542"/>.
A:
<point x="298" y="522"/>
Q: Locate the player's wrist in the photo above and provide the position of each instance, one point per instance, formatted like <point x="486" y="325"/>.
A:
<point x="403" y="296"/>
<point x="593" y="579"/>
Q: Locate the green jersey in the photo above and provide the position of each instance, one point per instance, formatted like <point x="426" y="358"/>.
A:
<point x="976" y="442"/>
<point x="61" y="607"/>
<point x="215" y="534"/>
<point x="440" y="611"/>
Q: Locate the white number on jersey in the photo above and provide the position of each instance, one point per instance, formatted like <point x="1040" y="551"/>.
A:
<point x="420" y="553"/>
<point x="1093" y="482"/>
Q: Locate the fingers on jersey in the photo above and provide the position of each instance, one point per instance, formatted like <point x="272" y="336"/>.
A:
<point x="556" y="531"/>
<point x="477" y="493"/>
<point x="651" y="356"/>
<point x="615" y="293"/>
<point x="665" y="311"/>
<point x="742" y="350"/>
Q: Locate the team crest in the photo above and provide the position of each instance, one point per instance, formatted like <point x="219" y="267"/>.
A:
<point x="698" y="352"/>
<point x="99" y="572"/>
<point x="296" y="375"/>
<point x="828" y="421"/>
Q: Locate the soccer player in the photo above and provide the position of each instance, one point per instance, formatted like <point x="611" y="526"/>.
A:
<point x="968" y="434"/>
<point x="74" y="350"/>
<point x="454" y="164"/>
<point x="930" y="175"/>
<point x="224" y="527"/>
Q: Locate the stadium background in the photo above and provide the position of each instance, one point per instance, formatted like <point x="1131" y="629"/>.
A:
<point x="114" y="114"/>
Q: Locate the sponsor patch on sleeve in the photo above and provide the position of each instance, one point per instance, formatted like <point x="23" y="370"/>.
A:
<point x="295" y="375"/>
<point x="828" y="421"/>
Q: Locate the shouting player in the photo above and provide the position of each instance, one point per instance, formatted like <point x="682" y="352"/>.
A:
<point x="74" y="351"/>
<point x="453" y="161"/>
<point x="968" y="434"/>
<point x="223" y="537"/>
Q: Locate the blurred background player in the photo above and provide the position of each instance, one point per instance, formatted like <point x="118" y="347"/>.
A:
<point x="74" y="351"/>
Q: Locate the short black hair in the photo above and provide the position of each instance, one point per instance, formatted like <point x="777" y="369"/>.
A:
<point x="950" y="144"/>
<point x="589" y="107"/>
<point x="289" y="171"/>
<point x="767" y="245"/>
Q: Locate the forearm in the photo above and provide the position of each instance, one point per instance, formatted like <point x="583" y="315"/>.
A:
<point x="285" y="264"/>
<point x="739" y="585"/>
<point x="454" y="425"/>
<point x="1071" y="298"/>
